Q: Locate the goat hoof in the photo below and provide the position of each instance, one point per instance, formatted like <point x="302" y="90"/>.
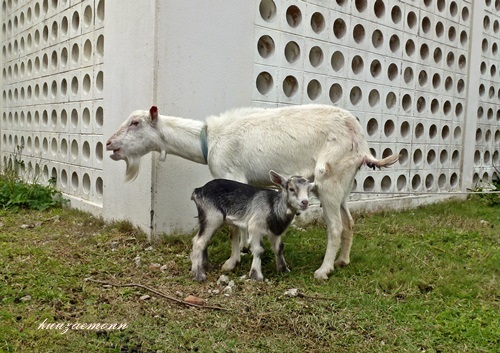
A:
<point x="256" y="276"/>
<point x="283" y="269"/>
<point x="321" y="275"/>
<point x="228" y="266"/>
<point x="341" y="263"/>
<point x="200" y="277"/>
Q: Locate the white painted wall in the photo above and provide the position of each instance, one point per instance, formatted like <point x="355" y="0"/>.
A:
<point x="205" y="63"/>
<point x="129" y="64"/>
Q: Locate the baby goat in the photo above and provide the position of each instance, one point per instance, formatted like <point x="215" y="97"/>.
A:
<point x="260" y="211"/>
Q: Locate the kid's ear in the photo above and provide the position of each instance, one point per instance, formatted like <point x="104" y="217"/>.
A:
<point x="153" y="112"/>
<point x="277" y="179"/>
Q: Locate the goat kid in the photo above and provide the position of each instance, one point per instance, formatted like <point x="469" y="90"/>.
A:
<point x="260" y="211"/>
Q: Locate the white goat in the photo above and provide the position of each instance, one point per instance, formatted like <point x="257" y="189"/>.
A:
<point x="319" y="141"/>
<point x="260" y="211"/>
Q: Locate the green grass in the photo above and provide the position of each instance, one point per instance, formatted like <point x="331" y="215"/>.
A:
<point x="423" y="280"/>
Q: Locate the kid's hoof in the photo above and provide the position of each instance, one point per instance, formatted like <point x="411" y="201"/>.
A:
<point x="199" y="276"/>
<point x="256" y="276"/>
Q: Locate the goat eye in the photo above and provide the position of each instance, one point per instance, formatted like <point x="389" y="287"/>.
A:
<point x="291" y="189"/>
<point x="134" y="123"/>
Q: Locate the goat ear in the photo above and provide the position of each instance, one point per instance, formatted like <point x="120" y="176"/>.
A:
<point x="277" y="179"/>
<point x="153" y="112"/>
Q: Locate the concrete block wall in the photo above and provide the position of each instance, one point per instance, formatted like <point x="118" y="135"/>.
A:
<point x="423" y="77"/>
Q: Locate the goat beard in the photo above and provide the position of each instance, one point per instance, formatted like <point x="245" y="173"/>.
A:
<point x="133" y="166"/>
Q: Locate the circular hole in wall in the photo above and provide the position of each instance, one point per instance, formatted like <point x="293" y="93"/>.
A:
<point x="99" y="85"/>
<point x="357" y="64"/>
<point x="411" y="19"/>
<point x="408" y="75"/>
<point x="419" y="131"/>
<point x="455" y="157"/>
<point x="64" y="118"/>
<point x="267" y="10"/>
<point x="372" y="127"/>
<point x="64" y="148"/>
<point x="100" y="11"/>
<point x="390" y="100"/>
<point x="64" y="178"/>
<point x="355" y="95"/>
<point x="369" y="184"/>
<point x="401" y="182"/>
<point x="358" y="33"/>
<point x="86" y="183"/>
<point x="64" y="26"/>
<point x="74" y="181"/>
<point x="424" y="51"/>
<point x="74" y="118"/>
<point x="439" y="29"/>
<point x="422" y="78"/>
<point x="438" y="55"/>
<point x="99" y="117"/>
<point x="74" y="149"/>
<point x="405" y="129"/>
<point x="313" y="89"/>
<point x="386" y="183"/>
<point x="389" y="128"/>
<point x="450" y="59"/>
<point x="415" y="182"/>
<point x="421" y="104"/>
<point x="265" y="46"/>
<point x="445" y="132"/>
<point x="292" y="52"/>
<point x="431" y="157"/>
<point x="339" y="28"/>
<point x="264" y="82"/>
<point x="99" y="186"/>
<point x="410" y="47"/>
<point x="335" y="93"/>
<point x="87" y="50"/>
<point x="377" y="38"/>
<point x="394" y="43"/>
<point x="316" y="56"/>
<point x="454" y="180"/>
<point x="317" y="22"/>
<point x="442" y="181"/>
<point x="86" y="151"/>
<point x="99" y="151"/>
<point x="434" y="106"/>
<point x="100" y="46"/>
<point x="375" y="68"/>
<point x="86" y="117"/>
<point x="87" y="16"/>
<point x="443" y="156"/>
<point x="373" y="98"/>
<point x="406" y="102"/>
<point x="429" y="181"/>
<point x="290" y="86"/>
<point x="392" y="71"/>
<point x="379" y="8"/>
<point x="337" y="61"/>
<point x="293" y="16"/>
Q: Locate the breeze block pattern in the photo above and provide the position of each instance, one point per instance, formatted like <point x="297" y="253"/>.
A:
<point x="401" y="67"/>
<point x="52" y="84"/>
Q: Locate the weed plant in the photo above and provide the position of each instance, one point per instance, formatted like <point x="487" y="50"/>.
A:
<point x="20" y="187"/>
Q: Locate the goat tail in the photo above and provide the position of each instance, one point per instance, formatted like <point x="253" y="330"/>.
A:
<point x="373" y="163"/>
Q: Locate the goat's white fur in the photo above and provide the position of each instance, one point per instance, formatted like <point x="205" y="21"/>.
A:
<point x="318" y="141"/>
